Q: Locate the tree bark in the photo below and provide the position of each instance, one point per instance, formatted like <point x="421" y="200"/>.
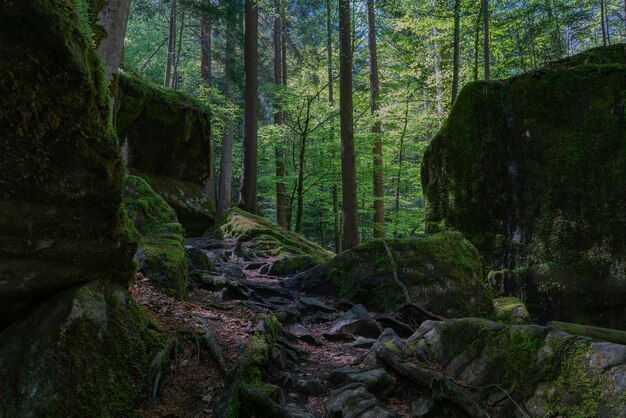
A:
<point x="457" y="51"/>
<point x="300" y="189"/>
<point x="379" y="191"/>
<point x="281" y="198"/>
<point x="477" y="39"/>
<point x="329" y="50"/>
<point x="207" y="76"/>
<point x="604" y="22"/>
<point x="113" y="18"/>
<point x="348" y="166"/>
<point x="171" y="45"/>
<point x="248" y="193"/>
<point x="226" y="163"/>
<point x="176" y="76"/>
<point x="486" y="51"/>
<point x="438" y="77"/>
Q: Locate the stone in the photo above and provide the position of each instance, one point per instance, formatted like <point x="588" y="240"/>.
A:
<point x="263" y="236"/>
<point x="442" y="272"/>
<point x="362" y="342"/>
<point x="546" y="370"/>
<point x="161" y="255"/>
<point x="310" y="305"/>
<point x="165" y="138"/>
<point x="511" y="310"/>
<point x="423" y="407"/>
<point x="388" y="339"/>
<point x="311" y="387"/>
<point x="356" y="321"/>
<point x="354" y="401"/>
<point x="305" y="335"/>
<point x="295" y="412"/>
<point x="529" y="169"/>
<point x="377" y="381"/>
<point x="197" y="259"/>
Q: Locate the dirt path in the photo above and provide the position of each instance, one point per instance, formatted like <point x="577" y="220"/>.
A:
<point x="226" y="303"/>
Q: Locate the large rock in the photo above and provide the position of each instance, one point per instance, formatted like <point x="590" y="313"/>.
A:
<point x="531" y="170"/>
<point x="161" y="254"/>
<point x="441" y="271"/>
<point x="545" y="371"/>
<point x="166" y="140"/>
<point x="84" y="353"/>
<point x="292" y="252"/>
<point x="60" y="167"/>
<point x="77" y="344"/>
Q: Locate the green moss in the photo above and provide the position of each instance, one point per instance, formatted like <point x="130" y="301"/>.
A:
<point x="511" y="310"/>
<point x="164" y="259"/>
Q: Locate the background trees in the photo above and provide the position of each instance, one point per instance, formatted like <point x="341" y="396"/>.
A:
<point x="426" y="51"/>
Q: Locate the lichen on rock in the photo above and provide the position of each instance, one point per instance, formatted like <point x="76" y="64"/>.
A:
<point x="161" y="252"/>
<point x="441" y="271"/>
<point x="530" y="169"/>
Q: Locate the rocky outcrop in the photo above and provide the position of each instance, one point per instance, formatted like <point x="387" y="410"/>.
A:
<point x="530" y="169"/>
<point x="76" y="345"/>
<point x="529" y="370"/>
<point x="161" y="253"/>
<point x="290" y="252"/>
<point x="166" y="140"/>
<point x="441" y="271"/>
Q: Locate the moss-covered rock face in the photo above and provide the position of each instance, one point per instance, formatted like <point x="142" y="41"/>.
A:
<point x="165" y="138"/>
<point x="511" y="310"/>
<point x="531" y="170"/>
<point x="161" y="253"/>
<point x="441" y="272"/>
<point x="293" y="252"/>
<point x="84" y="353"/>
<point x="545" y="371"/>
<point x="60" y="166"/>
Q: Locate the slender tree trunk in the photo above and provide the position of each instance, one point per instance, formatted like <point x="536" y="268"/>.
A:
<point x="171" y="45"/>
<point x="248" y="193"/>
<point x="477" y="39"/>
<point x="520" y="51"/>
<point x="625" y="18"/>
<point x="300" y="189"/>
<point x="281" y="198"/>
<point x="329" y="50"/>
<point x="348" y="165"/>
<point x="175" y="77"/>
<point x="603" y="22"/>
<point x="226" y="163"/>
<point x="207" y="76"/>
<point x="438" y="77"/>
<point x="400" y="165"/>
<point x="379" y="191"/>
<point x="486" y="51"/>
<point x="337" y="220"/>
<point x="322" y="225"/>
<point x="457" y="51"/>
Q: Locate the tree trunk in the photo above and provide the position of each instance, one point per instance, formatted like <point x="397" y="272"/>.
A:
<point x="207" y="75"/>
<point x="322" y="225"/>
<point x="248" y="193"/>
<point x="329" y="50"/>
<point x="113" y="18"/>
<point x="348" y="166"/>
<point x="176" y="76"/>
<point x="486" y="51"/>
<point x="300" y="190"/>
<point x="400" y="164"/>
<point x="171" y="45"/>
<point x="457" y="51"/>
<point x="477" y="40"/>
<point x="337" y="226"/>
<point x="281" y="198"/>
<point x="379" y="191"/>
<point x="226" y="163"/>
<point x="438" y="78"/>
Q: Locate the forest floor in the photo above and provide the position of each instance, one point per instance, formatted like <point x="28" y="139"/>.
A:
<point x="192" y="385"/>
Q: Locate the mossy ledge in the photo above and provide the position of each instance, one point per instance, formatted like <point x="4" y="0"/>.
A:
<point x="161" y="252"/>
<point x="441" y="271"/>
<point x="531" y="170"/>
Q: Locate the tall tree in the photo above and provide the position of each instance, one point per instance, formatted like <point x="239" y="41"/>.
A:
<point x="348" y="165"/>
<point x="171" y="45"/>
<point x="603" y="22"/>
<point x="486" y="51"/>
<point x="457" y="50"/>
<point x="248" y="192"/>
<point x="207" y="76"/>
<point x="379" y="191"/>
<point x="281" y="196"/>
<point x="331" y="101"/>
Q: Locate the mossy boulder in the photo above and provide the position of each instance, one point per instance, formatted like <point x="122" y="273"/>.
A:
<point x="165" y="138"/>
<point x="510" y="310"/>
<point x="60" y="168"/>
<point x="292" y="252"/>
<point x="84" y="353"/>
<point x="161" y="252"/>
<point x="531" y="170"/>
<point x="529" y="370"/>
<point x="441" y="271"/>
